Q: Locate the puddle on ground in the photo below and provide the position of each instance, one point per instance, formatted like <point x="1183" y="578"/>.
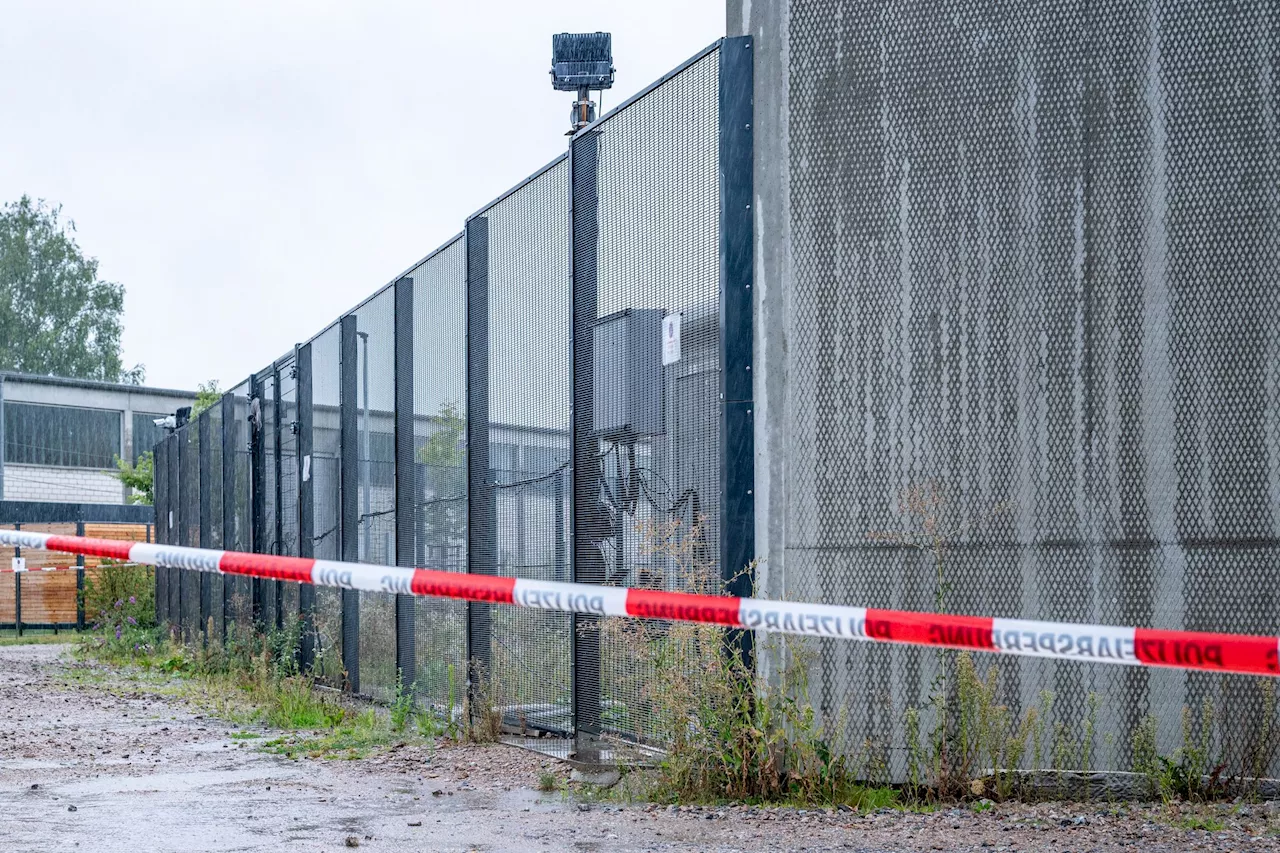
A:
<point x="174" y="782"/>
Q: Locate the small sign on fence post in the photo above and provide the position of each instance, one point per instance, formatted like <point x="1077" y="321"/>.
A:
<point x="19" y="564"/>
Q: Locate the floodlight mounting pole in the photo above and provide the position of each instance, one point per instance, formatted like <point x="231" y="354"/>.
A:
<point x="583" y="109"/>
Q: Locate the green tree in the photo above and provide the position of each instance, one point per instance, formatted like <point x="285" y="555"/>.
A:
<point x="207" y="394"/>
<point x="140" y="476"/>
<point x="444" y="458"/>
<point x="56" y="316"/>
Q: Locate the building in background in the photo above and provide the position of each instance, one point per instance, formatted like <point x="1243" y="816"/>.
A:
<point x="61" y="437"/>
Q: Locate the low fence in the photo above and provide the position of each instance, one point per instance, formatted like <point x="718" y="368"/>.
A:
<point x="42" y="589"/>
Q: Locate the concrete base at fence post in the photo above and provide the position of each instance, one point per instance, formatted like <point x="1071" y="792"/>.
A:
<point x="587" y="751"/>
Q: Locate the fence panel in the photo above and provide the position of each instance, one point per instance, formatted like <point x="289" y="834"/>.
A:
<point x="287" y="471"/>
<point x="189" y="531"/>
<point x="375" y="390"/>
<point x="440" y="488"/>
<point x="211" y="514"/>
<point x="524" y="430"/>
<point x="160" y="500"/>
<point x="646" y="259"/>
<point x="238" y="504"/>
<point x="325" y="471"/>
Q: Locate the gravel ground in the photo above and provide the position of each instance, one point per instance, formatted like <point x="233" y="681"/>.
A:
<point x="102" y="764"/>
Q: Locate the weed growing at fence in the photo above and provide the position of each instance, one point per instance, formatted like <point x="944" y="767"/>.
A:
<point x="730" y="734"/>
<point x="119" y="599"/>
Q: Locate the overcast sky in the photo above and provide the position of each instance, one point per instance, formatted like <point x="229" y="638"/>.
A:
<point x="250" y="170"/>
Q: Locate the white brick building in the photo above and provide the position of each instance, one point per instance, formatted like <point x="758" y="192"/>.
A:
<point x="59" y="437"/>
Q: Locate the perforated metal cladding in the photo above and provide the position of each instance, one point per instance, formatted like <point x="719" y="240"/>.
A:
<point x="325" y="472"/>
<point x="1034" y="255"/>
<point x="440" y="522"/>
<point x="375" y="319"/>
<point x="655" y="424"/>
<point x="528" y="440"/>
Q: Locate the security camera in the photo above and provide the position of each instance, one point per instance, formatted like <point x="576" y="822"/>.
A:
<point x="169" y="422"/>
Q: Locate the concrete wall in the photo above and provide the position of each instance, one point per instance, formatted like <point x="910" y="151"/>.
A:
<point x="1025" y="255"/>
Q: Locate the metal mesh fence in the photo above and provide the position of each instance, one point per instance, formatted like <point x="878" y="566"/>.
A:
<point x="239" y="506"/>
<point x="653" y="487"/>
<point x="1034" y="310"/>
<point x="1031" y="371"/>
<point x="173" y="606"/>
<point x="375" y="389"/>
<point x="269" y="525"/>
<point x="439" y="403"/>
<point x="493" y="432"/>
<point x="525" y="430"/>
<point x="211" y="512"/>
<point x="189" y="531"/>
<point x="160" y="499"/>
<point x="325" y="473"/>
<point x="287" y="467"/>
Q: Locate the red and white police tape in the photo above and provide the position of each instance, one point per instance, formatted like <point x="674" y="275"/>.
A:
<point x="1238" y="653"/>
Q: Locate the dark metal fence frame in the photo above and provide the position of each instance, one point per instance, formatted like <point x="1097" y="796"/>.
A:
<point x="584" y="518"/>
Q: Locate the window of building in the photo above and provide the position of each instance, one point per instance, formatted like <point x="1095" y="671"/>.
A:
<point x="146" y="435"/>
<point x="63" y="436"/>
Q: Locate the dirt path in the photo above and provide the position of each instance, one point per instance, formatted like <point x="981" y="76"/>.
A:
<point x="103" y="766"/>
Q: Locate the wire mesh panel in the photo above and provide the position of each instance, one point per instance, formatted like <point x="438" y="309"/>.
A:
<point x="189" y="529"/>
<point x="240" y="536"/>
<point x="173" y="607"/>
<point x="440" y="489"/>
<point x="160" y="500"/>
<point x="325" y="474"/>
<point x="287" y="409"/>
<point x="649" y="505"/>
<point x="375" y="390"/>
<point x="527" y="425"/>
<point x="211" y="510"/>
<point x="1034" y="312"/>
<point x="270" y="499"/>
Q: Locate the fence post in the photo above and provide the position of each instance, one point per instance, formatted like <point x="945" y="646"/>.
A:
<point x="257" y="493"/>
<point x="482" y="545"/>
<point x="589" y="523"/>
<point x="17" y="591"/>
<point x="406" y="641"/>
<point x="205" y="434"/>
<point x="737" y="430"/>
<point x="80" y="582"/>
<point x="230" y="541"/>
<point x="306" y="506"/>
<point x="349" y="491"/>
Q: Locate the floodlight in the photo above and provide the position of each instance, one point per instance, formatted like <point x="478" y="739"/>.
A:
<point x="581" y="62"/>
